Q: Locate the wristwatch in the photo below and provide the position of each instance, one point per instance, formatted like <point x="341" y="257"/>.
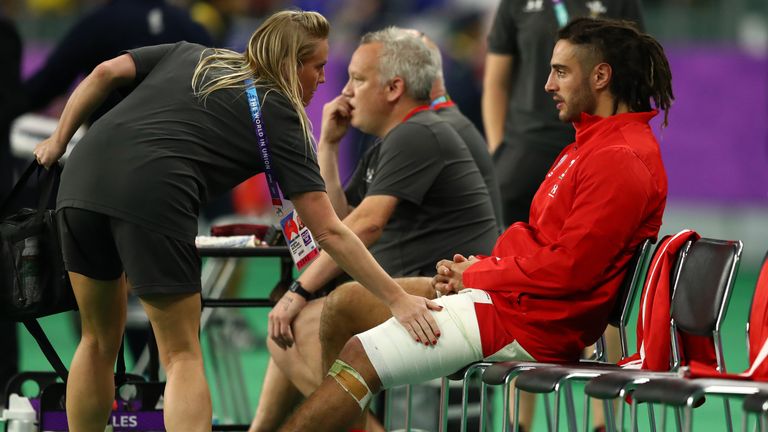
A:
<point x="296" y="287"/>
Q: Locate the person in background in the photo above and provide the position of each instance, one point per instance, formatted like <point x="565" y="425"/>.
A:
<point x="521" y="125"/>
<point x="116" y="26"/>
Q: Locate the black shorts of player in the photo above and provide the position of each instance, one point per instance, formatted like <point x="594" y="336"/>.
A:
<point x="103" y="247"/>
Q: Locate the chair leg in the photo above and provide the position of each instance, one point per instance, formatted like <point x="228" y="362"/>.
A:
<point x="652" y="417"/>
<point x="570" y="408"/>
<point x="728" y="419"/>
<point x="622" y="409"/>
<point x="633" y="415"/>
<point x="483" y="398"/>
<point x="688" y="419"/>
<point x="586" y="412"/>
<point x="408" y="397"/>
<point x="744" y="421"/>
<point x="505" y="407"/>
<point x="679" y="419"/>
<point x="556" y="412"/>
<point x="388" y="400"/>
<point x="445" y="387"/>
<point x="610" y="416"/>
<point x="471" y="370"/>
<point x="548" y="412"/>
<point x="516" y="413"/>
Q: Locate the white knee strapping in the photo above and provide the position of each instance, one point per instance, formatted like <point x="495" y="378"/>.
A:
<point x="398" y="359"/>
<point x="352" y="382"/>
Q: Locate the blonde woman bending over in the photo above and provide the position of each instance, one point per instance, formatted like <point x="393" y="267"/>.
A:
<point x="131" y="190"/>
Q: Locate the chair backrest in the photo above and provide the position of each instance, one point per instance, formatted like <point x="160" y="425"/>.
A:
<point x="702" y="290"/>
<point x="757" y="326"/>
<point x="620" y="315"/>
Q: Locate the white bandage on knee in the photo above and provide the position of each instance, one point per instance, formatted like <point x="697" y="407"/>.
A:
<point x="351" y="381"/>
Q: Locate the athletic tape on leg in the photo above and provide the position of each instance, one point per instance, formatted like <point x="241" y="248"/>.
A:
<point x="351" y="381"/>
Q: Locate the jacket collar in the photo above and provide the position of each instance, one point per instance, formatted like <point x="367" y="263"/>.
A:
<point x="590" y="125"/>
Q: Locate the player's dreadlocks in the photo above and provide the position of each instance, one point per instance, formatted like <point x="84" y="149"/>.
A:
<point x="637" y="60"/>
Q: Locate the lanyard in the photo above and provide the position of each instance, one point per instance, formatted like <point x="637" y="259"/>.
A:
<point x="561" y="12"/>
<point x="440" y="100"/>
<point x="437" y="105"/>
<point x="258" y="125"/>
<point x="300" y="242"/>
<point x="414" y="111"/>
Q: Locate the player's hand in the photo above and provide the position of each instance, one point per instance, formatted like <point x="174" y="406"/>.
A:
<point x="281" y="317"/>
<point x="48" y="151"/>
<point x="413" y="313"/>
<point x="336" y="117"/>
<point x="449" y="277"/>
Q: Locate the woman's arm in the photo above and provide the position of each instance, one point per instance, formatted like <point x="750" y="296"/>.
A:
<point x="105" y="78"/>
<point x="350" y="254"/>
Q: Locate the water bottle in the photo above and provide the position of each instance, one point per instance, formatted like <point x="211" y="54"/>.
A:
<point x="30" y="267"/>
<point x="20" y="416"/>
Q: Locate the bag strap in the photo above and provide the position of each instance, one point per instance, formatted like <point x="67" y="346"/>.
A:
<point x="120" y="377"/>
<point x="43" y="195"/>
<point x="34" y="328"/>
<point x="45" y="345"/>
<point x="20" y="184"/>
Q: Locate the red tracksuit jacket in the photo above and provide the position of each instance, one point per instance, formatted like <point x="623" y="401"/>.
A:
<point x="553" y="281"/>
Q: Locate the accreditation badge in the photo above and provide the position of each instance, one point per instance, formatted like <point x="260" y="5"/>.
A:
<point x="300" y="242"/>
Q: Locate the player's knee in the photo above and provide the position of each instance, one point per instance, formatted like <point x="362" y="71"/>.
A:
<point x="338" y="303"/>
<point x="341" y="298"/>
<point x="359" y="381"/>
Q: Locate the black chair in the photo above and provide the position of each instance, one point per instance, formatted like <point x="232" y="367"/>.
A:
<point x="756" y="403"/>
<point x="687" y="393"/>
<point x="504" y="372"/>
<point x="698" y="307"/>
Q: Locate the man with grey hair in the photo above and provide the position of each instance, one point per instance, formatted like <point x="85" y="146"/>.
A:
<point x="416" y="196"/>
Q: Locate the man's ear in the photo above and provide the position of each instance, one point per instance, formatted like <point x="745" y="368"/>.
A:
<point x="601" y="76"/>
<point x="395" y="89"/>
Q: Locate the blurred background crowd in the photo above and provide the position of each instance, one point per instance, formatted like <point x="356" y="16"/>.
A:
<point x="715" y="148"/>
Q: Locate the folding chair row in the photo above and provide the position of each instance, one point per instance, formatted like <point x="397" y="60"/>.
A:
<point x="704" y="268"/>
<point x="619" y="318"/>
<point x="701" y="292"/>
<point x="688" y="392"/>
<point x="507" y="370"/>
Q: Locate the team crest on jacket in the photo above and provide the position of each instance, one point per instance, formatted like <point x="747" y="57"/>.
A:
<point x="561" y="176"/>
<point x="560" y="162"/>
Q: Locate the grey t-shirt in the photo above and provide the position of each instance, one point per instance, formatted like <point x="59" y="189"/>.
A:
<point x="161" y="153"/>
<point x="479" y="150"/>
<point x="527" y="30"/>
<point x="444" y="205"/>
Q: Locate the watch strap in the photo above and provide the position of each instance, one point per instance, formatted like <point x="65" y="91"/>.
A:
<point x="296" y="287"/>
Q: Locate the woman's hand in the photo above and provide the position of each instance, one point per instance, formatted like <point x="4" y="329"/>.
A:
<point x="281" y="317"/>
<point x="49" y="151"/>
<point x="413" y="313"/>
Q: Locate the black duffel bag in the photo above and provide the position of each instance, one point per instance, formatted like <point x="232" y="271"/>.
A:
<point x="33" y="282"/>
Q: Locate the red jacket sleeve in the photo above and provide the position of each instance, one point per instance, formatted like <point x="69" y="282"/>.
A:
<point x="613" y="194"/>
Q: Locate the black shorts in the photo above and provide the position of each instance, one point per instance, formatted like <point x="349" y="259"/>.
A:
<point x="103" y="247"/>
